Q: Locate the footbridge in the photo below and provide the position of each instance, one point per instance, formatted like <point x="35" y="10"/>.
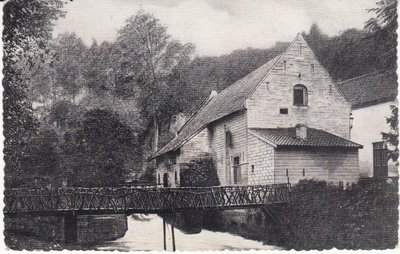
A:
<point x="73" y="201"/>
<point x="128" y="200"/>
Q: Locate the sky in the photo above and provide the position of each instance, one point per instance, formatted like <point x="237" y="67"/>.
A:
<point x="217" y="27"/>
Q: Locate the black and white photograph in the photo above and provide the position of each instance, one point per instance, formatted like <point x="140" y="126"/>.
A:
<point x="199" y="125"/>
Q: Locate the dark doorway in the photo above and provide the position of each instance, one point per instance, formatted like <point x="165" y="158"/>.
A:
<point x="236" y="170"/>
<point x="380" y="159"/>
<point x="165" y="180"/>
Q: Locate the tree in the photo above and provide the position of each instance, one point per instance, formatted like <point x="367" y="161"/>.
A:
<point x="148" y="57"/>
<point x="392" y="137"/>
<point x="65" y="114"/>
<point x="97" y="150"/>
<point x="27" y="29"/>
<point x="69" y="58"/>
<point x="315" y="37"/>
<point x="383" y="28"/>
<point x="100" y="70"/>
<point x="44" y="148"/>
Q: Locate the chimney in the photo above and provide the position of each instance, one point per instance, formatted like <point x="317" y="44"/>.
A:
<point x="212" y="94"/>
<point x="301" y="131"/>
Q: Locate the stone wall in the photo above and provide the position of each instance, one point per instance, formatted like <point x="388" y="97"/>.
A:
<point x="196" y="147"/>
<point x="261" y="161"/>
<point x="331" y="165"/>
<point x="237" y="125"/>
<point x="34" y="228"/>
<point x="48" y="232"/>
<point x="98" y="228"/>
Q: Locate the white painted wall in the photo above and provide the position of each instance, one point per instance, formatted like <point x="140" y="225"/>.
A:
<point x="368" y="124"/>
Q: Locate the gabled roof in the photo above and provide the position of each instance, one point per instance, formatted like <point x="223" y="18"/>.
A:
<point x="228" y="101"/>
<point x="286" y="137"/>
<point x="370" y="89"/>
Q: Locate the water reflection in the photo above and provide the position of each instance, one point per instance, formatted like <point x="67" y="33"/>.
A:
<point x="145" y="233"/>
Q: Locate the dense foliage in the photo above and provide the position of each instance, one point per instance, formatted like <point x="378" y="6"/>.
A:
<point x="27" y="30"/>
<point x="323" y="216"/>
<point x="392" y="137"/>
<point x="199" y="172"/>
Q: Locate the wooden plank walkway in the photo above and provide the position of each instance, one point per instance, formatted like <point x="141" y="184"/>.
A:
<point x="107" y="200"/>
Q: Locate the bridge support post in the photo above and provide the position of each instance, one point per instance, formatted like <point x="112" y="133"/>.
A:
<point x="164" y="233"/>
<point x="70" y="228"/>
<point x="173" y="237"/>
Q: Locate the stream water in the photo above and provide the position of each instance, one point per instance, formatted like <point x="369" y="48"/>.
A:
<point x="145" y="233"/>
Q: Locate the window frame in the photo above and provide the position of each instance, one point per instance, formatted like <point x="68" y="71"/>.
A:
<point x="304" y="90"/>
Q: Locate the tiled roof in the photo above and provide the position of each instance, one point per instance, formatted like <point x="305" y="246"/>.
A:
<point x="315" y="138"/>
<point x="228" y="101"/>
<point x="370" y="89"/>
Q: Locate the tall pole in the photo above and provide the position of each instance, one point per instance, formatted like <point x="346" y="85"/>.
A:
<point x="165" y="236"/>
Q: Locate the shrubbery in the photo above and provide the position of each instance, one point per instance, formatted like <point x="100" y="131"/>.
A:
<point x="324" y="216"/>
<point x="199" y="172"/>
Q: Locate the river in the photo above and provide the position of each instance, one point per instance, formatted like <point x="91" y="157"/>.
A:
<point x="145" y="233"/>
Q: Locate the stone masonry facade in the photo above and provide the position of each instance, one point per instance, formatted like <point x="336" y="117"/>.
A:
<point x="327" y="109"/>
<point x="261" y="161"/>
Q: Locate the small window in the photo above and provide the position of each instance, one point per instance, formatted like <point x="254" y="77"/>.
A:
<point x="158" y="179"/>
<point x="228" y="139"/>
<point x="252" y="168"/>
<point x="284" y="65"/>
<point x="283" y="111"/>
<point x="300" y="95"/>
<point x="300" y="49"/>
<point x="312" y="68"/>
<point x="176" y="177"/>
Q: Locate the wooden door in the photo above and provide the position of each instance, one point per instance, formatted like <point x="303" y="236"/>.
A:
<point x="380" y="156"/>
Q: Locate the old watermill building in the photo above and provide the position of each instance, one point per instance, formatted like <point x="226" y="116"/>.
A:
<point x="285" y="121"/>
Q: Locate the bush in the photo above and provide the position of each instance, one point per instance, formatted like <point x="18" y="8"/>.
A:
<point x="324" y="216"/>
<point x="199" y="173"/>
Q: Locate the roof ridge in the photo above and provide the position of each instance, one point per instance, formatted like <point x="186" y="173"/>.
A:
<point x="364" y="75"/>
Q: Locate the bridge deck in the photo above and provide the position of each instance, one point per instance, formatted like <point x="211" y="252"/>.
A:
<point x="105" y="200"/>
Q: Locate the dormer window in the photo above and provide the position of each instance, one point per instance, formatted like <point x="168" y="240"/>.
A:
<point x="300" y="97"/>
